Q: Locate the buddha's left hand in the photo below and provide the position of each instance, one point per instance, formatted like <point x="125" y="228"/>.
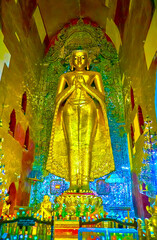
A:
<point x="78" y="81"/>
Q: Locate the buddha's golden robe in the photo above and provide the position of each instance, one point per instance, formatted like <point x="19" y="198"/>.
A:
<point x="80" y="137"/>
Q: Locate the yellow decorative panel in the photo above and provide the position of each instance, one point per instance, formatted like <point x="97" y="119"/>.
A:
<point x="136" y="127"/>
<point x="129" y="150"/>
<point x="134" y="150"/>
<point x="113" y="32"/>
<point x="107" y="3"/>
<point x="17" y="36"/>
<point x="4" y="54"/>
<point x="39" y="24"/>
<point x="123" y="78"/>
<point x="130" y="5"/>
<point x="150" y="46"/>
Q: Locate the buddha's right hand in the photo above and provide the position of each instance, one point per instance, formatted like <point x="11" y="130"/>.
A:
<point x="76" y="83"/>
<point x="78" y="80"/>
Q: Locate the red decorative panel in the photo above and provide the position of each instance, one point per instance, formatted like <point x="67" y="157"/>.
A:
<point x="132" y="99"/>
<point x="24" y="102"/>
<point x="141" y="119"/>
<point x="122" y="12"/>
<point x="26" y="144"/>
<point x="12" y="197"/>
<point x="12" y="123"/>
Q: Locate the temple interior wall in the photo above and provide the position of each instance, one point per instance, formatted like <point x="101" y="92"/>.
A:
<point x="25" y="41"/>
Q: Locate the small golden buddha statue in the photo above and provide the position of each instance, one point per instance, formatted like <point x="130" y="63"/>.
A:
<point x="153" y="212"/>
<point x="6" y="206"/>
<point x="80" y="146"/>
<point x="45" y="208"/>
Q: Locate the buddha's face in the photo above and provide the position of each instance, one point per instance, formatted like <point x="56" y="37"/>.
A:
<point x="79" y="60"/>
<point x="46" y="198"/>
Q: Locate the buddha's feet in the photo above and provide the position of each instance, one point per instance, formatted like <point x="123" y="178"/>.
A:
<point x="76" y="189"/>
<point x="82" y="203"/>
<point x="73" y="188"/>
<point x="85" y="189"/>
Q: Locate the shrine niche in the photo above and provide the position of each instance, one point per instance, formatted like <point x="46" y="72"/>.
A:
<point x="78" y="144"/>
<point x="103" y="58"/>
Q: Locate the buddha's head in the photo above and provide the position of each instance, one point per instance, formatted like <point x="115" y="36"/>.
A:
<point x="79" y="60"/>
<point x="46" y="198"/>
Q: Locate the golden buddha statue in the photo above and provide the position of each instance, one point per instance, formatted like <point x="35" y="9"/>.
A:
<point x="80" y="146"/>
<point x="45" y="208"/>
<point x="6" y="206"/>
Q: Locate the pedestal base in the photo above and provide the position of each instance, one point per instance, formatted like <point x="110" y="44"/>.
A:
<point x="71" y="206"/>
<point x="66" y="229"/>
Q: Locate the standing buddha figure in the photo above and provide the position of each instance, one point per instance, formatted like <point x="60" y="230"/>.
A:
<point x="80" y="146"/>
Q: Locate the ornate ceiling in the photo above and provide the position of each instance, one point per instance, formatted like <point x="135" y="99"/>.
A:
<point x="56" y="14"/>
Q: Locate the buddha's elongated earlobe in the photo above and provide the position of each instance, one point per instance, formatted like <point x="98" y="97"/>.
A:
<point x="72" y="67"/>
<point x="88" y="64"/>
<point x="71" y="63"/>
